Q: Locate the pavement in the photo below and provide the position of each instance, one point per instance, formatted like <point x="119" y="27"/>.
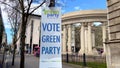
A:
<point x="33" y="62"/>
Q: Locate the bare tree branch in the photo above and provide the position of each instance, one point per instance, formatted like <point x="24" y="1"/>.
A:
<point x="22" y="7"/>
<point x="28" y="2"/>
<point x="38" y="6"/>
<point x="29" y="5"/>
<point x="10" y="6"/>
<point x="17" y="39"/>
<point x="20" y="3"/>
<point x="11" y="23"/>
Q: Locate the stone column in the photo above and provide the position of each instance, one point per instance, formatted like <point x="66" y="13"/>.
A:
<point x="73" y="37"/>
<point x="82" y="39"/>
<point x="93" y="39"/>
<point x="64" y="40"/>
<point x="86" y="39"/>
<point x="69" y="39"/>
<point x="89" y="39"/>
<point x="104" y="36"/>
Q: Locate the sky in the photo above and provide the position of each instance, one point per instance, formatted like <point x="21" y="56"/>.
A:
<point x="67" y="6"/>
<point x="75" y="5"/>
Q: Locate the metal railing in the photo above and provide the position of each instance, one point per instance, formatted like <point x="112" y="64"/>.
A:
<point x="79" y="58"/>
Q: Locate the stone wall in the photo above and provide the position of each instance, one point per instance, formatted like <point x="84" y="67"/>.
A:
<point x="113" y="44"/>
<point x="114" y="19"/>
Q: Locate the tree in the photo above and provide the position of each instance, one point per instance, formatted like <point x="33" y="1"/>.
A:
<point x="25" y="9"/>
<point x="13" y="18"/>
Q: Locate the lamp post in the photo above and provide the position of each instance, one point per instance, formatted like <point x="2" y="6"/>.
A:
<point x="84" y="59"/>
<point x="52" y="3"/>
<point x="67" y="56"/>
<point x="84" y="55"/>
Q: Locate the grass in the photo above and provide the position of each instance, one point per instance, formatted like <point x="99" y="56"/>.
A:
<point x="92" y="64"/>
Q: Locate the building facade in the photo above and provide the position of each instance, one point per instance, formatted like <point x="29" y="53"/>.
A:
<point x="3" y="36"/>
<point x="32" y="33"/>
<point x="113" y="44"/>
<point x="1" y="27"/>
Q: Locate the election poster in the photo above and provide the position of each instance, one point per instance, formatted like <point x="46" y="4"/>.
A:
<point x="50" y="48"/>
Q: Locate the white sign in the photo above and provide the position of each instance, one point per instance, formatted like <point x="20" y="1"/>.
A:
<point x="50" y="49"/>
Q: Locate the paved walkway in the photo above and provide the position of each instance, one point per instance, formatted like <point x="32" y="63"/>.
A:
<point x="33" y="62"/>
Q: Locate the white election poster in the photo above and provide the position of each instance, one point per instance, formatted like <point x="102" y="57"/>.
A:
<point x="50" y="49"/>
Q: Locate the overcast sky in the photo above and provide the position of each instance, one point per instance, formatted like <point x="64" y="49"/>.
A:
<point x="67" y="6"/>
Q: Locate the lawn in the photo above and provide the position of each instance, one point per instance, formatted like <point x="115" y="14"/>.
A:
<point x="92" y="64"/>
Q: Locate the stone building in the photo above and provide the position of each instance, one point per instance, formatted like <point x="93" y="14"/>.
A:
<point x="1" y="27"/>
<point x="3" y="37"/>
<point x="113" y="44"/>
<point x="86" y="18"/>
<point x="32" y="33"/>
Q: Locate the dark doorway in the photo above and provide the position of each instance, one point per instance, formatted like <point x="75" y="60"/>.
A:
<point x="34" y="45"/>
